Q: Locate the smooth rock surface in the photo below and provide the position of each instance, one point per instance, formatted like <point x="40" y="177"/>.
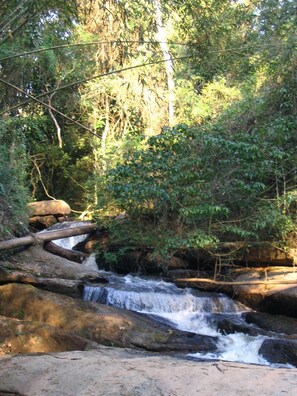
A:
<point x="37" y="267"/>
<point x="50" y="207"/>
<point x="20" y="336"/>
<point x="280" y="351"/>
<point x="276" y="323"/>
<point x="116" y="372"/>
<point x="270" y="296"/>
<point x="96" y="322"/>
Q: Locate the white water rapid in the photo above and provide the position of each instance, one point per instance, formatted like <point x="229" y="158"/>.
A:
<point x="70" y="242"/>
<point x="184" y="309"/>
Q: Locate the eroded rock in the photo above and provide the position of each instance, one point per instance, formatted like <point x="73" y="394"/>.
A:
<point x="279" y="351"/>
<point x="51" y="207"/>
<point x="37" y="267"/>
<point x="276" y="294"/>
<point x="100" y="323"/>
<point x="276" y="323"/>
<point x="19" y="336"/>
<point x="119" y="372"/>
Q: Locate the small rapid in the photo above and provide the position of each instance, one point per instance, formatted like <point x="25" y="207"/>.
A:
<point x="70" y="242"/>
<point x="183" y="309"/>
<point x="158" y="297"/>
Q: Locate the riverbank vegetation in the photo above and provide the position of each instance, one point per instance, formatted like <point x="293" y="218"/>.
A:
<point x="179" y="115"/>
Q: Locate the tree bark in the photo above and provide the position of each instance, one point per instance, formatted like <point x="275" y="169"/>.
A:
<point x="46" y="236"/>
<point x="234" y="283"/>
<point x="162" y="38"/>
<point x="71" y="255"/>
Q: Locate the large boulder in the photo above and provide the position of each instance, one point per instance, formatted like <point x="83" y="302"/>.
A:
<point x="19" y="336"/>
<point x="53" y="207"/>
<point x="229" y="325"/>
<point x="272" y="290"/>
<point x="37" y="267"/>
<point x="276" y="323"/>
<point x="281" y="302"/>
<point x="279" y="351"/>
<point x="267" y="289"/>
<point x="96" y="322"/>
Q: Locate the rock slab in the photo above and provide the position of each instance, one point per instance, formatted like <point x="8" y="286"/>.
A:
<point x="96" y="322"/>
<point x="115" y="372"/>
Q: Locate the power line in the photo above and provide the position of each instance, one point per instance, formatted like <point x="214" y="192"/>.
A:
<point x="120" y="42"/>
<point x="48" y="106"/>
<point x="114" y="71"/>
<point x="36" y="98"/>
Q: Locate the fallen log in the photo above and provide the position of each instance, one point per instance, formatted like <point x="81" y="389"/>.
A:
<point x="232" y="283"/>
<point x="77" y="257"/>
<point x="41" y="237"/>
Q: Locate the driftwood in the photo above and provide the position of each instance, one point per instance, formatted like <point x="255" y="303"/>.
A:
<point x="71" y="255"/>
<point x="41" y="237"/>
<point x="233" y="283"/>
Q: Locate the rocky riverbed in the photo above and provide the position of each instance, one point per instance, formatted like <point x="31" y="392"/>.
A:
<point x="51" y="342"/>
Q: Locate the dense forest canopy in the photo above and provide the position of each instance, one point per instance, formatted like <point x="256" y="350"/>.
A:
<point x="180" y="114"/>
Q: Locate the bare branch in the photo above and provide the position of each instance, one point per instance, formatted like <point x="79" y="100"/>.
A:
<point x="48" y="106"/>
<point x="36" y="98"/>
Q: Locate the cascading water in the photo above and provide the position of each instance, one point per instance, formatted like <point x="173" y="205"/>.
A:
<point x="184" y="309"/>
<point x="70" y="242"/>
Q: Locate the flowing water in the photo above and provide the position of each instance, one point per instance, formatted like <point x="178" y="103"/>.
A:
<point x="69" y="243"/>
<point x="183" y="309"/>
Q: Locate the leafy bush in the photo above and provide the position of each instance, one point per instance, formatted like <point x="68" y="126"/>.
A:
<point x="13" y="193"/>
<point x="231" y="179"/>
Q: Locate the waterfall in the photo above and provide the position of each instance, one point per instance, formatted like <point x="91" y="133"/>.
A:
<point x="184" y="309"/>
<point x="70" y="242"/>
<point x="157" y="301"/>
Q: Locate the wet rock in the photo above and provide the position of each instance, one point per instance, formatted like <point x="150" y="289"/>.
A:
<point x="279" y="351"/>
<point x="276" y="323"/>
<point x="232" y="325"/>
<point x="100" y="323"/>
<point x="281" y="302"/>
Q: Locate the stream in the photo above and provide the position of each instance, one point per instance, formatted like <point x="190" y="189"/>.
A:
<point x="184" y="309"/>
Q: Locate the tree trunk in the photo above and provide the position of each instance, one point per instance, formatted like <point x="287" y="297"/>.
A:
<point x="46" y="236"/>
<point x="192" y="281"/>
<point x="71" y="255"/>
<point x="162" y="38"/>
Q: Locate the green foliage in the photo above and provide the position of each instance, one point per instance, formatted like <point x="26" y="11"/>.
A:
<point x="227" y="171"/>
<point x="13" y="193"/>
<point x="231" y="179"/>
